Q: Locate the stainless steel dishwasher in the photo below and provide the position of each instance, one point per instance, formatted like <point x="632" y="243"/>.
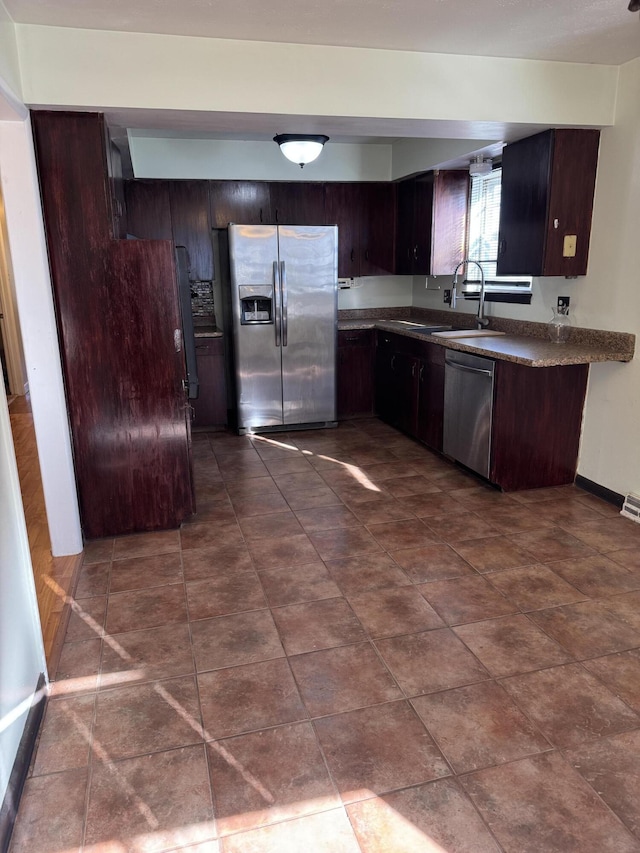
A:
<point x="468" y="409"/>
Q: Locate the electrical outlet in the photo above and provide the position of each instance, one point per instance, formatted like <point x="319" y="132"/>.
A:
<point x="447" y="297"/>
<point x="563" y="304"/>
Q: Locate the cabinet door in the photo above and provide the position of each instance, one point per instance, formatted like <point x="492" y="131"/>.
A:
<point x="431" y="397"/>
<point x="422" y="224"/>
<point x="385" y="399"/>
<point x="404" y="227"/>
<point x="450" y="213"/>
<point x="297" y="203"/>
<point x="191" y="223"/>
<point x="377" y="237"/>
<point x="210" y="406"/>
<point x="343" y="208"/>
<point x="526" y="174"/>
<point x="406" y="370"/>
<point x="355" y="373"/>
<point x="148" y="209"/>
<point x="116" y="183"/>
<point x="573" y="181"/>
<point x="242" y="202"/>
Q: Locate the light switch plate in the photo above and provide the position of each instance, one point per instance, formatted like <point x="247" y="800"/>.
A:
<point x="569" y="246"/>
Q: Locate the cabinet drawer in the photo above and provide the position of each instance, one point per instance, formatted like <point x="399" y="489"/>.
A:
<point x="209" y="346"/>
<point x="355" y="338"/>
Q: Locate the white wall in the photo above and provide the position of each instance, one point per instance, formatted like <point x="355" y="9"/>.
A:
<point x="392" y="291"/>
<point x="9" y="63"/>
<point x="21" y="649"/>
<point x="102" y="69"/>
<point x="161" y="157"/>
<point x="410" y="156"/>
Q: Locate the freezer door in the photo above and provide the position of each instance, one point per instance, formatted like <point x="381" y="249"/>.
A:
<point x="309" y="280"/>
<point x="254" y="269"/>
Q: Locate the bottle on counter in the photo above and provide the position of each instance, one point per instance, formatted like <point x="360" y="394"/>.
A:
<point x="559" y="327"/>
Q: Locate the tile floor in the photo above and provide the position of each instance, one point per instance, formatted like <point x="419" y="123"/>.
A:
<point x="354" y="646"/>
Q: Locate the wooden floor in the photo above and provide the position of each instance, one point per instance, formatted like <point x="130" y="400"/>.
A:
<point x="53" y="575"/>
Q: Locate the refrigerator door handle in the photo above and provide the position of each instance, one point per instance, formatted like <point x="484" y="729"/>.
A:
<point x="283" y="285"/>
<point x="276" y="301"/>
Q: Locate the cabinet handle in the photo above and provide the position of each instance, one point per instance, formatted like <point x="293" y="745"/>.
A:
<point x="352" y="256"/>
<point x="502" y="247"/>
<point x="415" y="253"/>
<point x="261" y="216"/>
<point x="366" y="255"/>
<point x="413" y="370"/>
<point x="393" y="362"/>
<point x="277" y="220"/>
<point x="422" y="373"/>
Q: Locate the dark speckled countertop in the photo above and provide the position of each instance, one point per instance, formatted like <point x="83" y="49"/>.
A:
<point x="523" y="342"/>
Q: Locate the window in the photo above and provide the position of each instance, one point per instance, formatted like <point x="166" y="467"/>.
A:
<point x="484" y="221"/>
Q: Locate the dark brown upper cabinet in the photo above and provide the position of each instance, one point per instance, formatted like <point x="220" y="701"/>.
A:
<point x="296" y="203"/>
<point x="191" y="223"/>
<point x="432" y="223"/>
<point x="242" y="202"/>
<point x="365" y="216"/>
<point x="148" y="209"/>
<point x="548" y="183"/>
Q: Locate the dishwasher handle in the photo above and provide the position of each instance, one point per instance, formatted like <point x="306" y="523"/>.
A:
<point x="467" y="369"/>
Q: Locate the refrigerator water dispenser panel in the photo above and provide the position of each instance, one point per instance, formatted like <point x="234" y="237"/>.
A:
<point x="256" y="305"/>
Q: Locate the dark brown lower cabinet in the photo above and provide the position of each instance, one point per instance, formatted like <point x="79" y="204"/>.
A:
<point x="537" y="418"/>
<point x="355" y="373"/>
<point x="431" y="396"/>
<point x="398" y="382"/>
<point x="210" y="407"/>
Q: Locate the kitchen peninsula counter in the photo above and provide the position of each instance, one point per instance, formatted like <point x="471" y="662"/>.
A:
<point x="521" y="342"/>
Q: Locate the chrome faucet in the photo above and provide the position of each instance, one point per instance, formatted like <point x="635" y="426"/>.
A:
<point x="482" y="320"/>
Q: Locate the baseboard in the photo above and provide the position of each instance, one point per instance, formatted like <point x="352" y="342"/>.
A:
<point x="9" y="809"/>
<point x="600" y="491"/>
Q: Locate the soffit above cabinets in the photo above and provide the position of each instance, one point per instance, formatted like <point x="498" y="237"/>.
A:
<point x="586" y="31"/>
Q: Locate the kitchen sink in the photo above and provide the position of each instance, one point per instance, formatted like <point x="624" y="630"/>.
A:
<point x="467" y="333"/>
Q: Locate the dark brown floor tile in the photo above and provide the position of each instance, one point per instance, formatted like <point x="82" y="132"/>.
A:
<point x="430" y="505"/>
<point x="223" y="595"/>
<point x="274" y="525"/>
<point x="283" y="553"/>
<point x="627" y="557"/>
<point x="288" y="483"/>
<point x="494" y="554"/>
<point x="247" y="698"/>
<point x="514" y="518"/>
<point x="342" y="679"/>
<point x="587" y="629"/>
<point x="411" y="533"/>
<point x="346" y="476"/>
<point x="212" y="491"/>
<point x="372" y="455"/>
<point x="65" y="735"/>
<point x="367" y="571"/>
<point x="378" y="511"/>
<point x="356" y="495"/>
<point x="612" y="767"/>
<point x="534" y="587"/>
<point x="625" y="607"/>
<point x="555" y="810"/>
<point x="415" y="484"/>
<point x="454" y="479"/>
<point x="304" y="583"/>
<point x="566" y="511"/>
<point x="609" y="534"/>
<point x="600" y="506"/>
<point x="243" y="470"/>
<point x="146" y="544"/>
<point x="216" y="562"/>
<point x="553" y="543"/>
<point x="331" y="833"/>
<point x="480" y="498"/>
<point x="459" y="527"/>
<point x="379" y="749"/>
<point x="317" y="625"/>
<point x="533" y="496"/>
<point x="147" y="655"/>
<point x="97" y="551"/>
<point x="141" y="572"/>
<point x="235" y="640"/>
<point x="240" y="489"/>
<point x="283" y="776"/>
<point x="597" y="576"/>
<point x="326" y="518"/>
<point x="430" y="661"/>
<point x="205" y="535"/>
<point x="259" y="504"/>
<point x="79" y="665"/>
<point x="130" y="802"/>
<point x="51" y="814"/>
<point x="389" y="471"/>
<point x="292" y="465"/>
<point x="511" y="645"/>
<point x="310" y="498"/>
<point x="146" y="608"/>
<point x="569" y="705"/>
<point x="437" y="816"/>
<point x="392" y="611"/>
<point x="93" y="580"/>
<point x="344" y="542"/>
<point x="431" y="563"/>
<point x="218" y="510"/>
<point x="148" y="718"/>
<point x="621" y="674"/>
<point x="478" y="726"/>
<point x="86" y="621"/>
<point x="466" y="599"/>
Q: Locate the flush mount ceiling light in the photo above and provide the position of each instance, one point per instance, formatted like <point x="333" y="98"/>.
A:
<point x="300" y="148"/>
<point x="480" y="166"/>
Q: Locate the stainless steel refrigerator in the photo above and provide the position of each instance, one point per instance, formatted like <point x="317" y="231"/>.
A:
<point x="284" y="305"/>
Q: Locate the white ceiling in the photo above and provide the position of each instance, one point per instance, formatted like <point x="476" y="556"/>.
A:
<point x="590" y="31"/>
